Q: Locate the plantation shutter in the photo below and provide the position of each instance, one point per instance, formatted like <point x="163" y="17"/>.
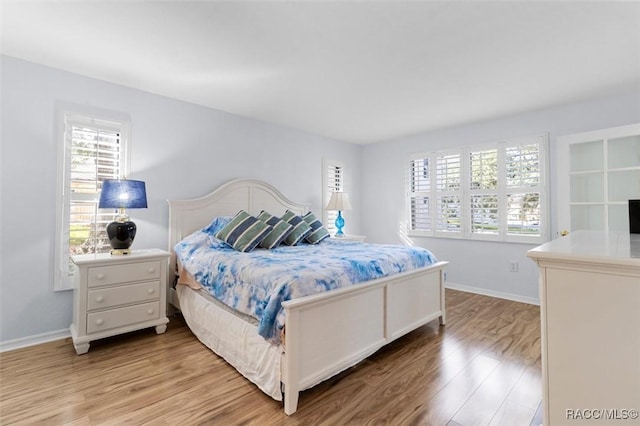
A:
<point x="495" y="192"/>
<point x="94" y="150"/>
<point x="334" y="183"/>
<point x="483" y="169"/>
<point x="524" y="188"/>
<point x="419" y="180"/>
<point x="448" y="193"/>
<point x="95" y="156"/>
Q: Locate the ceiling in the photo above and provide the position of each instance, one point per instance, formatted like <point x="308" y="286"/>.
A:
<point x="355" y="71"/>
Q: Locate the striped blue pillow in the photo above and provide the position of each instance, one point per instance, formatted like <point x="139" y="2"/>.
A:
<point x="300" y="231"/>
<point x="318" y="233"/>
<point x="279" y="232"/>
<point x="244" y="232"/>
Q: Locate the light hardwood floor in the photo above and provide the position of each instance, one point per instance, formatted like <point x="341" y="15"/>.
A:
<point x="482" y="368"/>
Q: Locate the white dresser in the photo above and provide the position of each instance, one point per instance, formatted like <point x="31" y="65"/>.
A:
<point x="118" y="294"/>
<point x="590" y="311"/>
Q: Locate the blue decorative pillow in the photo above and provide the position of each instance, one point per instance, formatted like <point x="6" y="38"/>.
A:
<point x="217" y="224"/>
<point x="318" y="233"/>
<point x="300" y="231"/>
<point x="280" y="230"/>
<point x="244" y="232"/>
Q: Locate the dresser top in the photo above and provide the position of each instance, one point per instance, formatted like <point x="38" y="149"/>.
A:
<point x="592" y="246"/>
<point x="135" y="255"/>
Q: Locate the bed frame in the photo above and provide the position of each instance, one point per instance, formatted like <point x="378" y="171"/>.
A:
<point x="329" y="332"/>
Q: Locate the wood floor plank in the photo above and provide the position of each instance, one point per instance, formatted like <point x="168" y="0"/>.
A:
<point x="482" y="406"/>
<point x="537" y="417"/>
<point x="511" y="413"/>
<point x="440" y="409"/>
<point x="528" y="391"/>
<point x="483" y="366"/>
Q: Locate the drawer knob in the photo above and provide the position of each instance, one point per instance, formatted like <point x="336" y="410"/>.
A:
<point x="99" y="321"/>
<point x="149" y="311"/>
<point x="151" y="270"/>
<point x="99" y="299"/>
<point x="150" y="291"/>
<point x="100" y="276"/>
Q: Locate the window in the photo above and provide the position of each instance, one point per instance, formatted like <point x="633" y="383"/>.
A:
<point x="495" y="192"/>
<point x="91" y="150"/>
<point x="448" y="194"/>
<point x="333" y="181"/>
<point x="483" y="191"/>
<point x="524" y="190"/>
<point x="420" y="194"/>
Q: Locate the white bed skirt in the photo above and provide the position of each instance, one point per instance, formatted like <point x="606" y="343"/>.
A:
<point x="235" y="340"/>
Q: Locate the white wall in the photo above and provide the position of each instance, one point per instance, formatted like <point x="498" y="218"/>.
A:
<point x="181" y="150"/>
<point x="483" y="266"/>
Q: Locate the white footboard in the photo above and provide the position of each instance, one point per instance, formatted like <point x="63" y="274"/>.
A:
<point x="330" y="332"/>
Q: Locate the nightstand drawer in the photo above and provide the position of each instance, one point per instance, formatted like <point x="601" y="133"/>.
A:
<point x="113" y="318"/>
<point x="116" y="274"/>
<point x="108" y="297"/>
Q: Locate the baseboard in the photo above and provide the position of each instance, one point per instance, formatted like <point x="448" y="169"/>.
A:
<point x="37" y="339"/>
<point x="492" y="293"/>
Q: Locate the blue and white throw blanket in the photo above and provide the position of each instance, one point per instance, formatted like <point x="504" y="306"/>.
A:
<point x="256" y="283"/>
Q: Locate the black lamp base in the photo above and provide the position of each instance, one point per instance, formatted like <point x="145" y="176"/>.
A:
<point x="121" y="235"/>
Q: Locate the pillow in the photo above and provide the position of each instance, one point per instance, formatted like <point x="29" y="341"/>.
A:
<point x="244" y="232"/>
<point x="300" y="231"/>
<point x="279" y="232"/>
<point x="217" y="224"/>
<point x="318" y="233"/>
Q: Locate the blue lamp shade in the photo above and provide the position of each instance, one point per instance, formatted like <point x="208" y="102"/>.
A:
<point x="122" y="194"/>
<point x="339" y="201"/>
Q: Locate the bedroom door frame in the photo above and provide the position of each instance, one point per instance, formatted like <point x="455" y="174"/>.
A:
<point x="591" y="166"/>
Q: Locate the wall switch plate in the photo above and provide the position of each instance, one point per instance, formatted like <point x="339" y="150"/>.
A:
<point x="513" y="266"/>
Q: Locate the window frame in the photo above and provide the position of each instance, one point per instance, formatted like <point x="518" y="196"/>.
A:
<point x="466" y="192"/>
<point x="66" y="119"/>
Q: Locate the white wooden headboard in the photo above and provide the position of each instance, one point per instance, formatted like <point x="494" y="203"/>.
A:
<point x="251" y="195"/>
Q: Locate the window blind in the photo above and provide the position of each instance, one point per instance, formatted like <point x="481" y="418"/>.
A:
<point x="95" y="156"/>
<point x="524" y="191"/>
<point x="483" y="170"/>
<point x="495" y="192"/>
<point x="448" y="198"/>
<point x="333" y="182"/>
<point x="419" y="181"/>
<point x="92" y="150"/>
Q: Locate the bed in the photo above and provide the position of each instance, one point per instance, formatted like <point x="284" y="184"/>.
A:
<point x="325" y="333"/>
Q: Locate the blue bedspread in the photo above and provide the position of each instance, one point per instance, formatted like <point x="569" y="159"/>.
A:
<point x="257" y="283"/>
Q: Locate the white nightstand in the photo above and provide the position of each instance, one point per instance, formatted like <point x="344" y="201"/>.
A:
<point x="349" y="237"/>
<point x="117" y="294"/>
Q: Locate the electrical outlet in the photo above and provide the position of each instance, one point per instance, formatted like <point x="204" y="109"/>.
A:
<point x="513" y="266"/>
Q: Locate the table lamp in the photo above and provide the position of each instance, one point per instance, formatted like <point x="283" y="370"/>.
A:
<point x="339" y="201"/>
<point x="122" y="194"/>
